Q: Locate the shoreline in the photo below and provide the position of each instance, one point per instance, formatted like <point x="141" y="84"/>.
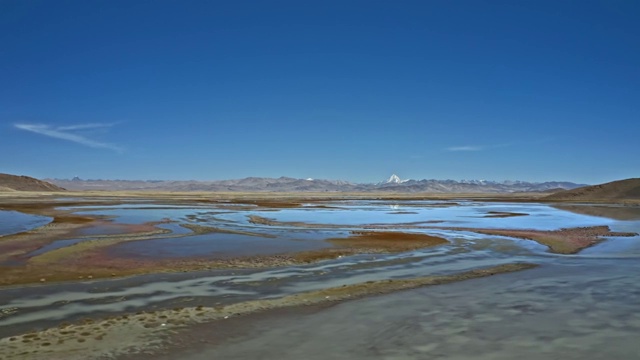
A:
<point x="118" y="335"/>
<point x="152" y="331"/>
<point x="89" y="258"/>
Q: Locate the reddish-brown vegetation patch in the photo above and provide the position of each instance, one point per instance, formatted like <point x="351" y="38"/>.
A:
<point x="275" y="204"/>
<point x="394" y="241"/>
<point x="563" y="241"/>
<point x="371" y="242"/>
<point x="94" y="263"/>
<point x="503" y="214"/>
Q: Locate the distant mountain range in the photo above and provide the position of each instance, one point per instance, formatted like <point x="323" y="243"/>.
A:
<point x="287" y="184"/>
<point x="394" y="179"/>
<point x="628" y="189"/>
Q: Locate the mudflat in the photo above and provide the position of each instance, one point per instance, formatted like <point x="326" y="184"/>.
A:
<point x="125" y="273"/>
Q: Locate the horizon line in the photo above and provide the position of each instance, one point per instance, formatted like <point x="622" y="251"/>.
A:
<point x="311" y="179"/>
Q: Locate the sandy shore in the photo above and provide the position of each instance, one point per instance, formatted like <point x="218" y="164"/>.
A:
<point x="151" y="332"/>
<point x="556" y="311"/>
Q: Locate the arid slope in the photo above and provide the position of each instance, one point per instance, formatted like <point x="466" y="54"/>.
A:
<point x="25" y="183"/>
<point x="628" y="189"/>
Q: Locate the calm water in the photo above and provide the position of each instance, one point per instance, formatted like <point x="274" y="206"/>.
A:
<point x="577" y="309"/>
<point x="215" y="245"/>
<point x="571" y="307"/>
<point x="341" y="217"/>
<point x="358" y="213"/>
<point x="12" y="222"/>
<point x="463" y="215"/>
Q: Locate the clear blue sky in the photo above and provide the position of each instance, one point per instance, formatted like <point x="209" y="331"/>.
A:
<point x="355" y="90"/>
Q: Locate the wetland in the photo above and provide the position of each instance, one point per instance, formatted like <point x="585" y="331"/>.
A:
<point x="121" y="277"/>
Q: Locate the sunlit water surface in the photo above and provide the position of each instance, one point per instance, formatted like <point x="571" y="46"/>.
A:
<point x="12" y="222"/>
<point x="576" y="309"/>
<point x="571" y="305"/>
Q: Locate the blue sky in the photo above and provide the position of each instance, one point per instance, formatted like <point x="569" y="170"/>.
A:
<point x="355" y="90"/>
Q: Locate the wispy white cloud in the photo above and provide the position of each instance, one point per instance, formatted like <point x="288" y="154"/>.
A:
<point x="84" y="126"/>
<point x="465" y="148"/>
<point x="478" y="147"/>
<point x="69" y="133"/>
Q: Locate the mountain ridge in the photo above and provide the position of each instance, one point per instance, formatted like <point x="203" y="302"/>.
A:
<point x="288" y="184"/>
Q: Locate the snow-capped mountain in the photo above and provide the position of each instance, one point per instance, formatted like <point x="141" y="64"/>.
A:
<point x="395" y="179"/>
<point x="477" y="182"/>
<point x="287" y="184"/>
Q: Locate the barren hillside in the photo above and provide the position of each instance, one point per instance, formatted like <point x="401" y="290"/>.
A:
<point x="628" y="189"/>
<point x="25" y="183"/>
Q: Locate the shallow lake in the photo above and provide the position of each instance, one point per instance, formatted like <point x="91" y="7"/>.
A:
<point x="575" y="309"/>
<point x="465" y="214"/>
<point x="50" y="303"/>
<point x="12" y="222"/>
<point x="358" y="213"/>
<point x="305" y="228"/>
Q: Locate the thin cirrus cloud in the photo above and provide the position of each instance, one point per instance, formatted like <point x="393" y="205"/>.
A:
<point x="465" y="148"/>
<point x="70" y="133"/>
<point x="477" y="148"/>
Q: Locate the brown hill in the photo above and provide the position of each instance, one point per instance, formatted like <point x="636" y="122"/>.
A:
<point x="628" y="189"/>
<point x="25" y="183"/>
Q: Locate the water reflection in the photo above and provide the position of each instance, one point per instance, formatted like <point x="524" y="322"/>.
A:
<point x="467" y="250"/>
<point x="615" y="212"/>
<point x="12" y="222"/>
<point x="574" y="309"/>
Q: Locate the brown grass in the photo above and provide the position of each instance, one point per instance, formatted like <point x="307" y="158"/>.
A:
<point x="322" y="254"/>
<point x="392" y="241"/>
<point x="563" y="241"/>
<point x="503" y="214"/>
<point x="371" y="242"/>
<point x="274" y="204"/>
<point x="72" y="219"/>
<point x="200" y="229"/>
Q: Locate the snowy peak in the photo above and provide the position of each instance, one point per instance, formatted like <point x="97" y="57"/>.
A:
<point x="395" y="179"/>
<point x="287" y="184"/>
